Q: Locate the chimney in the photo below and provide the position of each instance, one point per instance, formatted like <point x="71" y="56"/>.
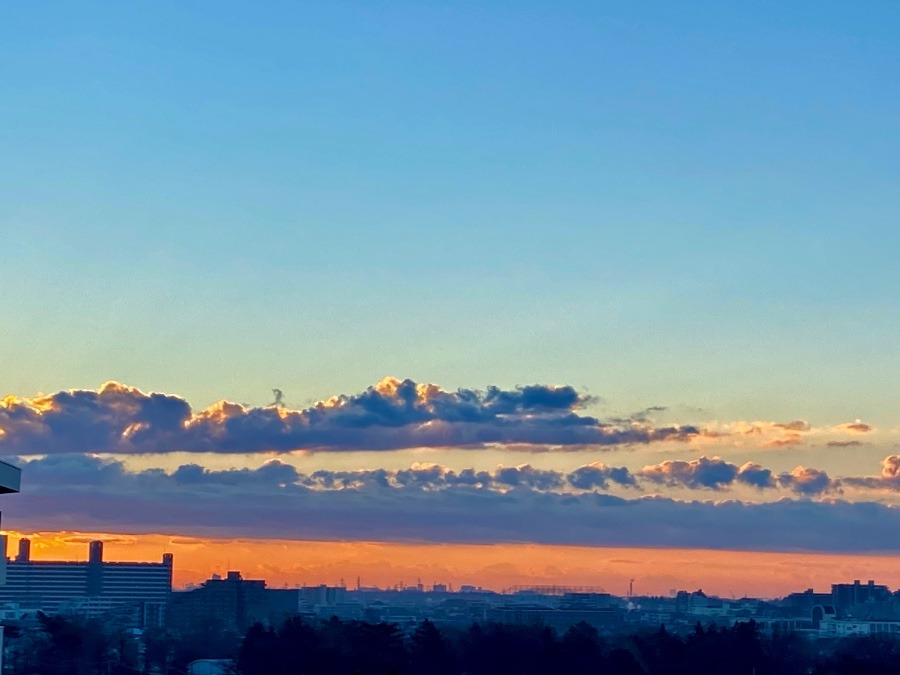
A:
<point x="24" y="550"/>
<point x="95" y="569"/>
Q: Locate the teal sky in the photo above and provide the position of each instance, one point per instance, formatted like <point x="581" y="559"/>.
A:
<point x="689" y="205"/>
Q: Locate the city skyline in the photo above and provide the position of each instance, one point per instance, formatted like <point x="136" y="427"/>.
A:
<point x="83" y="551"/>
<point x="494" y="567"/>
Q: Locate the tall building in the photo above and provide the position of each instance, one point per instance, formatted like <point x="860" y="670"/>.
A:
<point x="232" y="605"/>
<point x="137" y="591"/>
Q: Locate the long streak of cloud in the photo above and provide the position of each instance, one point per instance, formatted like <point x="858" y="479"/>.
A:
<point x="393" y="414"/>
<point x="424" y="503"/>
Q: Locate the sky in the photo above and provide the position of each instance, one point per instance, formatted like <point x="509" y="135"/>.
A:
<point x="587" y="276"/>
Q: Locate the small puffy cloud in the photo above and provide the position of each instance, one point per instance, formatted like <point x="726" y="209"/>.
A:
<point x="758" y="476"/>
<point x="393" y="414"/>
<point x="785" y="442"/>
<point x="807" y="481"/>
<point x="857" y="427"/>
<point x="527" y="476"/>
<point x="796" y="425"/>
<point x="709" y="474"/>
<point x="890" y="467"/>
<point x="712" y="474"/>
<point x="599" y="475"/>
<point x="889" y="479"/>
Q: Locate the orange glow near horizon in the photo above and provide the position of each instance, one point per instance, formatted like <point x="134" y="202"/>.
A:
<point x="494" y="566"/>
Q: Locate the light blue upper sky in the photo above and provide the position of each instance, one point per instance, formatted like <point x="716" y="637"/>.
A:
<point x="685" y="204"/>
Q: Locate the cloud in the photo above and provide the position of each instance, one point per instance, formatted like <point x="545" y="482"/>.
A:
<point x="527" y="476"/>
<point x="807" y="481"/>
<point x="392" y="414"/>
<point x="890" y="467"/>
<point x="889" y="479"/>
<point x="796" y="425"/>
<point x="858" y="427"/>
<point x="844" y="444"/>
<point x="758" y="476"/>
<point x="785" y="442"/>
<point x="708" y="474"/>
<point x="599" y="475"/>
<point x="769" y="434"/>
<point x="406" y="506"/>
<point x="713" y="474"/>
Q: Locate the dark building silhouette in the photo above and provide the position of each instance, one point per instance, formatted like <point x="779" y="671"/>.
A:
<point x="803" y="603"/>
<point x="846" y="598"/>
<point x="24" y="554"/>
<point x="231" y="604"/>
<point x="137" y="591"/>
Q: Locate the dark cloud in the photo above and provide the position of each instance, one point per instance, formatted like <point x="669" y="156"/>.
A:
<point x="599" y="475"/>
<point x="390" y="415"/>
<point x="405" y="506"/>
<point x="713" y="474"/>
<point x="710" y="474"/>
<point x="529" y="477"/>
<point x="888" y="480"/>
<point x="808" y="482"/>
<point x="844" y="444"/>
<point x="758" y="476"/>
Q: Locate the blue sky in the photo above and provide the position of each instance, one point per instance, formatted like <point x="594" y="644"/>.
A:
<point x="660" y="204"/>
<point x="630" y="206"/>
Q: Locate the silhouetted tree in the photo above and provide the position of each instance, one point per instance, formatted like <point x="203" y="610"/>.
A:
<point x="259" y="652"/>
<point x="581" y="650"/>
<point x="623" y="662"/>
<point x="430" y="652"/>
<point x="872" y="655"/>
<point x="660" y="652"/>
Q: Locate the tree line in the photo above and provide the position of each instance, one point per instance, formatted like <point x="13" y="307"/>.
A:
<point x="60" y="646"/>
<point x="334" y="647"/>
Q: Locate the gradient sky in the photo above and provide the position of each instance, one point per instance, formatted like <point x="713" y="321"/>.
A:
<point x="689" y="207"/>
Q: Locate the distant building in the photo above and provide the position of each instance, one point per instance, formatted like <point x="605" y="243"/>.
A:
<point x="321" y="596"/>
<point x="847" y="598"/>
<point x="855" y="627"/>
<point x="802" y="604"/>
<point x="232" y="604"/>
<point x="137" y="591"/>
<point x="558" y="618"/>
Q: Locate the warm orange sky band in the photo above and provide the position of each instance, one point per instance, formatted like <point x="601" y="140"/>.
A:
<point x="494" y="566"/>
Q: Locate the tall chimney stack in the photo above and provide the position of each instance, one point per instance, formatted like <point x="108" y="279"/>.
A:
<point x="24" y="550"/>
<point x="96" y="552"/>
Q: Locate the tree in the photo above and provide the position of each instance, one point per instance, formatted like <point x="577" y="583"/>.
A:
<point x="431" y="652"/>
<point x="258" y="654"/>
